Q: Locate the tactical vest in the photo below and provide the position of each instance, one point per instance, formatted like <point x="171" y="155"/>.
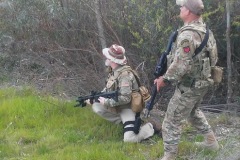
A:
<point x="113" y="79"/>
<point x="202" y="62"/>
<point x="139" y="93"/>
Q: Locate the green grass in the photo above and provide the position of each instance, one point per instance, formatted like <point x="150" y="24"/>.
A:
<point x="40" y="127"/>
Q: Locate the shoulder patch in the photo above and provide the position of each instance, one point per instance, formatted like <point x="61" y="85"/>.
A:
<point x="185" y="45"/>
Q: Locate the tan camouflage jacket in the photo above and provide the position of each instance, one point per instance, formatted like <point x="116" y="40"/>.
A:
<point x="125" y="82"/>
<point x="182" y="68"/>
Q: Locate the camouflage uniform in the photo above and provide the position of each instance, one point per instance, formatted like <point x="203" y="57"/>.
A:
<point x="121" y="111"/>
<point x="192" y="80"/>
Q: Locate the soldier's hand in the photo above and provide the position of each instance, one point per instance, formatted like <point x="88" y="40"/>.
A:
<point x="159" y="82"/>
<point x="88" y="101"/>
<point x="101" y="100"/>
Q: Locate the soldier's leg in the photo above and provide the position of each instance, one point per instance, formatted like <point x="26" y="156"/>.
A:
<point x="172" y="125"/>
<point x="106" y="113"/>
<point x="128" y="116"/>
<point x="197" y="118"/>
<point x="179" y="108"/>
<point x="199" y="121"/>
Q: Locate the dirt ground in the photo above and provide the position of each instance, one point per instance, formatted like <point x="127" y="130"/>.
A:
<point x="226" y="126"/>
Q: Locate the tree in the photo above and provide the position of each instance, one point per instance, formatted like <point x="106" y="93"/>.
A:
<point x="229" y="54"/>
<point x="102" y="38"/>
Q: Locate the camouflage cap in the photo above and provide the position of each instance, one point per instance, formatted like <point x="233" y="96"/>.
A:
<point x="195" y="6"/>
<point x="116" y="54"/>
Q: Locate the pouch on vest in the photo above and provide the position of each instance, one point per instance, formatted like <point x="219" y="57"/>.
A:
<point x="206" y="69"/>
<point x="137" y="102"/>
<point x="138" y="96"/>
<point x="145" y="93"/>
<point x="217" y="74"/>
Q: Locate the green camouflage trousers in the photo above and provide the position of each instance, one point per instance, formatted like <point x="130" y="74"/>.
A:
<point x="183" y="106"/>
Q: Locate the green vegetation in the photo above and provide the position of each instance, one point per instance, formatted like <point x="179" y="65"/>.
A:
<point x="39" y="127"/>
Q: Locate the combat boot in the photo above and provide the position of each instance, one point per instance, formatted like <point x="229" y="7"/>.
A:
<point x="209" y="142"/>
<point x="169" y="156"/>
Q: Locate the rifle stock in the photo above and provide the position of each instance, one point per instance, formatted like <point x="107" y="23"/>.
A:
<point x="93" y="97"/>
<point x="160" y="70"/>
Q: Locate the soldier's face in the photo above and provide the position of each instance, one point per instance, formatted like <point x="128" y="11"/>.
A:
<point x="183" y="12"/>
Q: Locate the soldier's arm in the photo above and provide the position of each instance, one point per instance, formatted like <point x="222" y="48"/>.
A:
<point x="213" y="49"/>
<point x="125" y="90"/>
<point x="182" y="61"/>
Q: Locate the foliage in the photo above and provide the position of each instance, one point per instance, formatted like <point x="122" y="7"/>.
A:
<point x="54" y="44"/>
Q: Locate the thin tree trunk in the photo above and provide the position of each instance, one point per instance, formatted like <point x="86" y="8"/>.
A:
<point x="229" y="55"/>
<point x="102" y="38"/>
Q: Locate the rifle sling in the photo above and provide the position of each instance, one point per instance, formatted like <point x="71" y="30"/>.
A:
<point x="203" y="44"/>
<point x="136" y="77"/>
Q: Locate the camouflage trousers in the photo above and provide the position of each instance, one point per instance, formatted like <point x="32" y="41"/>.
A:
<point x="123" y="116"/>
<point x="183" y="106"/>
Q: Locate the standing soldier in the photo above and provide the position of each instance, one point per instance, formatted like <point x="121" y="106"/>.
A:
<point x="123" y="80"/>
<point x="192" y="79"/>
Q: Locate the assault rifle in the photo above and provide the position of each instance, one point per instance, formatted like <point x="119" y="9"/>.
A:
<point x="93" y="97"/>
<point x="160" y="69"/>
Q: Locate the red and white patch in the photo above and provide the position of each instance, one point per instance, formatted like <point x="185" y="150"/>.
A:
<point x="186" y="49"/>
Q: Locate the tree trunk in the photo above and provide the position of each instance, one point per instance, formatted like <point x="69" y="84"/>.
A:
<point x="102" y="38"/>
<point x="229" y="55"/>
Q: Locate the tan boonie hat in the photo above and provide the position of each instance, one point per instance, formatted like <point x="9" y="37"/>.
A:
<point x="195" y="6"/>
<point x="116" y="54"/>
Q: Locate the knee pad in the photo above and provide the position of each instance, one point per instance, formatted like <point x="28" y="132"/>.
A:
<point x="135" y="125"/>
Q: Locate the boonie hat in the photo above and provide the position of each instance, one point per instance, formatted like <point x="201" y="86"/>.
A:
<point x="116" y="54"/>
<point x="195" y="6"/>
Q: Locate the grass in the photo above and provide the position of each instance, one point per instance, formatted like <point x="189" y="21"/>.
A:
<point x="40" y="127"/>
